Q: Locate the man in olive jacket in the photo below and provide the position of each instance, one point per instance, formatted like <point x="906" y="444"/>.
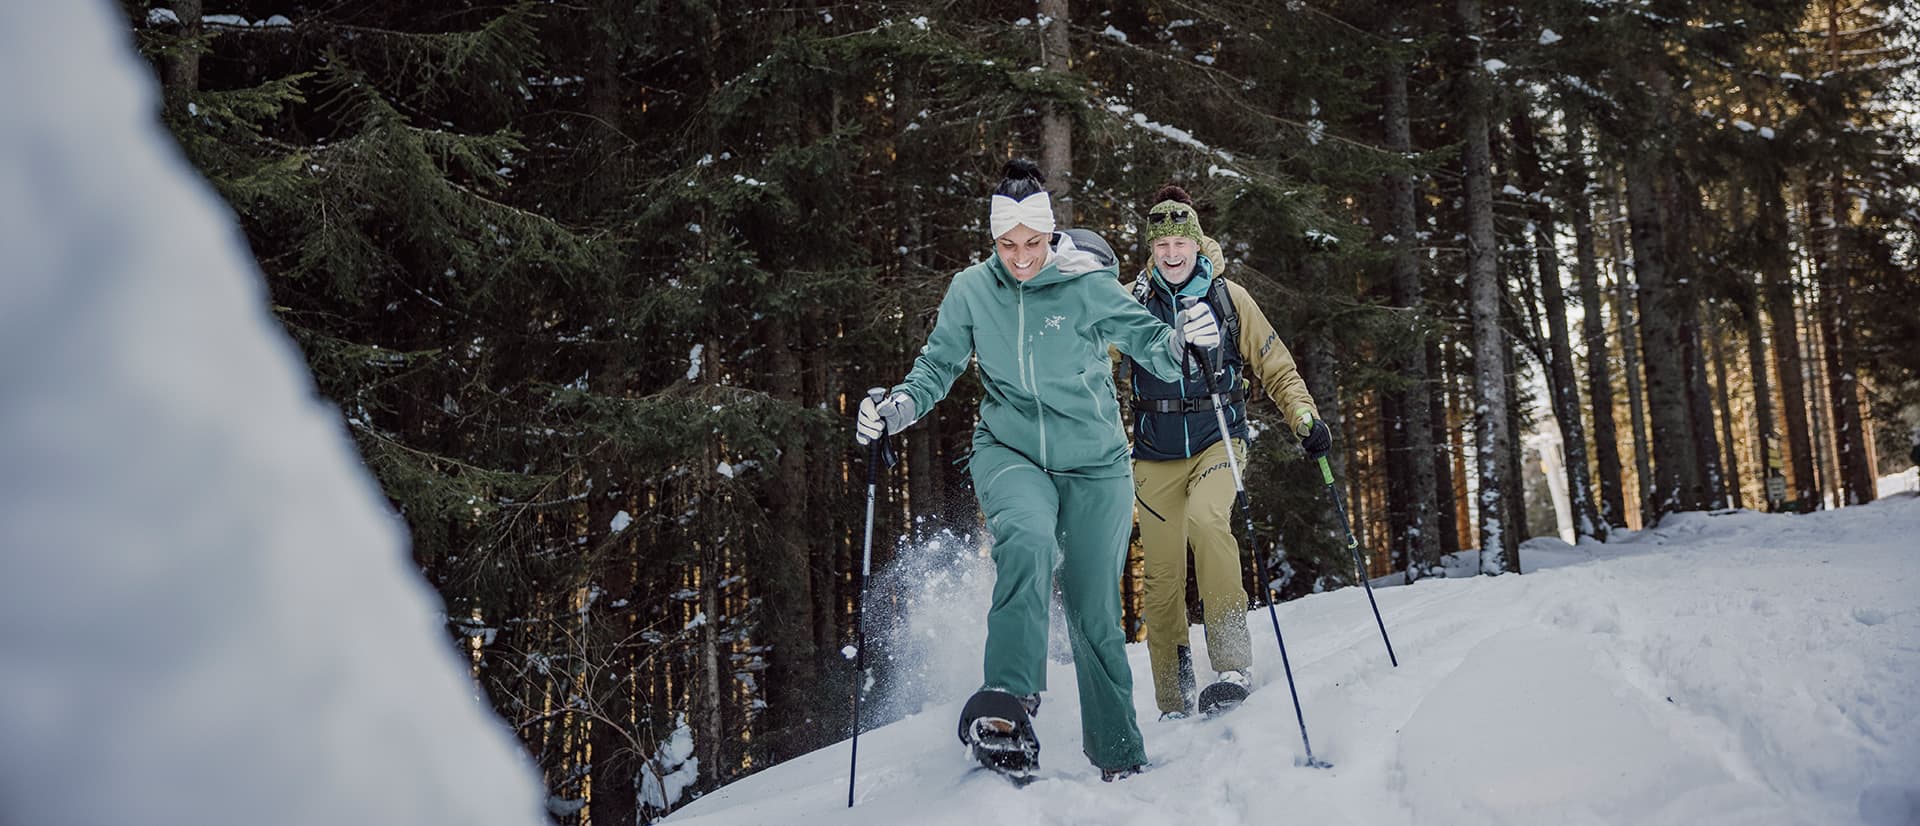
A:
<point x="1183" y="486"/>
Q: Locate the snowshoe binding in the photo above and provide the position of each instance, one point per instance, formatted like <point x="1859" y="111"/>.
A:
<point x="997" y="729"/>
<point x="1224" y="695"/>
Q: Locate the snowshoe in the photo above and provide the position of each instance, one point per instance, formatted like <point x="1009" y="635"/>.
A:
<point x="1110" y="775"/>
<point x="1225" y="695"/>
<point x="998" y="732"/>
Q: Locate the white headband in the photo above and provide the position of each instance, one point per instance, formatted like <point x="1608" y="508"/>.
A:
<point x="1036" y="211"/>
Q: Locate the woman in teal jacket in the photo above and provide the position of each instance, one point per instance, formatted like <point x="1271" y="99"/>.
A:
<point x="1050" y="463"/>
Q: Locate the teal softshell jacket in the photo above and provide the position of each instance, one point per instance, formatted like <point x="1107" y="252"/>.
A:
<point x="1042" y="350"/>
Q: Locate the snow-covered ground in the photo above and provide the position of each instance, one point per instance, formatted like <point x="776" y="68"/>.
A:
<point x="207" y="610"/>
<point x="1735" y="668"/>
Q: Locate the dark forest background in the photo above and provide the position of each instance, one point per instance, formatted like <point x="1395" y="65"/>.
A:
<point x="595" y="285"/>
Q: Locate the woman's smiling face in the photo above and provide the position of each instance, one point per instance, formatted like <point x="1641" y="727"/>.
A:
<point x="1023" y="250"/>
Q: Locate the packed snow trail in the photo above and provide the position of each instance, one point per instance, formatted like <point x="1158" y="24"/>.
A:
<point x="1734" y="668"/>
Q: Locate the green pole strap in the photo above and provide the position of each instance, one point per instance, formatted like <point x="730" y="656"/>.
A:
<point x="1326" y="470"/>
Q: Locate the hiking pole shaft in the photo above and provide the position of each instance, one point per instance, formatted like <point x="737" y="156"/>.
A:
<point x="1260" y="569"/>
<point x="1353" y="545"/>
<point x="859" y="610"/>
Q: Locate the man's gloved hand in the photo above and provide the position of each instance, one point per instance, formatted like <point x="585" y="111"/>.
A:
<point x="1199" y="327"/>
<point x="881" y="415"/>
<point x="1318" y="441"/>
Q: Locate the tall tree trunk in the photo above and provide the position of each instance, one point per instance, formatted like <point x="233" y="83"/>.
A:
<point x="783" y="577"/>
<point x="1623" y="308"/>
<point x="1729" y="445"/>
<point x="1413" y="405"/>
<point x="182" y="77"/>
<point x="709" y="724"/>
<point x="1766" y="440"/>
<point x="1561" y="385"/>
<point x="1462" y="416"/>
<point x="1515" y="458"/>
<point x="1499" y="550"/>
<point x="1680" y="218"/>
<point x="1056" y="124"/>
<point x="1606" y="446"/>
<point x="1661" y="339"/>
<point x="1824" y="475"/>
<point x="1776" y="271"/>
<point x="1440" y="457"/>
<point x="1856" y="476"/>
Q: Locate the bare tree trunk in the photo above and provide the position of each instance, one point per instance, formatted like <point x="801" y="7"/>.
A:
<point x="1730" y="452"/>
<point x="1661" y="339"/>
<point x="182" y="77"/>
<point x="1824" y="474"/>
<point x="1856" y="476"/>
<point x="1056" y="124"/>
<point x="1561" y="385"/>
<point x="781" y="574"/>
<point x="1413" y="405"/>
<point x="709" y="724"/>
<point x="1612" y="506"/>
<point x="1630" y="358"/>
<point x="1461" y="415"/>
<point x="1776" y="270"/>
<point x="1680" y="219"/>
<point x="1499" y="550"/>
<point x="1440" y="458"/>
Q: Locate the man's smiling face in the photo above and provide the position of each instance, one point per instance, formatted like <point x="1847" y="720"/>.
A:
<point x="1174" y="256"/>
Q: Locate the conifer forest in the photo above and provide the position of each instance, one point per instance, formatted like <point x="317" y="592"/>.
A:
<point x="596" y="286"/>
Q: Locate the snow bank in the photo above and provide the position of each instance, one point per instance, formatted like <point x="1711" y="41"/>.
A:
<point x="1731" y="668"/>
<point x="207" y="615"/>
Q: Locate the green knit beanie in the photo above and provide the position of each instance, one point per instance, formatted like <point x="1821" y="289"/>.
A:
<point x="1169" y="218"/>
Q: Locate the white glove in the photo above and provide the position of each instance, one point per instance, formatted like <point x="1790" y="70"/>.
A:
<point x="879" y="418"/>
<point x="1196" y="326"/>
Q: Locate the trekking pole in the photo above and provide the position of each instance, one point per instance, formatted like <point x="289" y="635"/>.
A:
<point x="1359" y="569"/>
<point x="1260" y="569"/>
<point x="860" y="601"/>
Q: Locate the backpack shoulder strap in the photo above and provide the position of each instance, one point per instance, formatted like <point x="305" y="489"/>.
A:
<point x="1225" y="310"/>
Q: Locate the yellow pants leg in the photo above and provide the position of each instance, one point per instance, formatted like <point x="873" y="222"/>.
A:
<point x="1160" y="490"/>
<point x="1216" y="558"/>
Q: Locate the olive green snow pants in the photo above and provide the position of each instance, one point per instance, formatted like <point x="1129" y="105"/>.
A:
<point x="1182" y="501"/>
<point x="1083" y="519"/>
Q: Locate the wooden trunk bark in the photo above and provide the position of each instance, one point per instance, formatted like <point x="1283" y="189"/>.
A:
<point x="1606" y="446"/>
<point x="1056" y="124"/>
<point x="1776" y="272"/>
<point x="1499" y="550"/>
<point x="1413" y="406"/>
<point x="1561" y="385"/>
<point x="1661" y="337"/>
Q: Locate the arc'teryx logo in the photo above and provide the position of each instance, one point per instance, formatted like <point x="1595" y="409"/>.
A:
<point x="1054" y="321"/>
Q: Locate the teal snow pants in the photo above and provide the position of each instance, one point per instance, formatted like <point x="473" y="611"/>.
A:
<point x="1084" y="518"/>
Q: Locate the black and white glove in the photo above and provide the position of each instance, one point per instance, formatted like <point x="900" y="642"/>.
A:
<point x="1195" y="326"/>
<point x="1318" y="441"/>
<point x="881" y="415"/>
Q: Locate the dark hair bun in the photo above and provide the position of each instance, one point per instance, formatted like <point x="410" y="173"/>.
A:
<point x="1171" y="192"/>
<point x="1023" y="168"/>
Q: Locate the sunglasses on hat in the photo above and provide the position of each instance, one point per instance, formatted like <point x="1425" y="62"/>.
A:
<point x="1171" y="216"/>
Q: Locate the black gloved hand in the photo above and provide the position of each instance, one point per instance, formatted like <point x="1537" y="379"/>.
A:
<point x="1318" y="440"/>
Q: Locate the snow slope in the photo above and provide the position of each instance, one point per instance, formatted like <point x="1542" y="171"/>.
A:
<point x="207" y="612"/>
<point x="1736" y="668"/>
